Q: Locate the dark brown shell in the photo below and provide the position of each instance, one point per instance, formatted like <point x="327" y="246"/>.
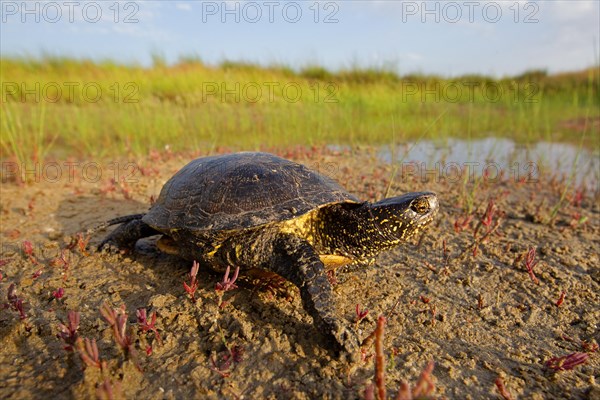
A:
<point x="239" y="191"/>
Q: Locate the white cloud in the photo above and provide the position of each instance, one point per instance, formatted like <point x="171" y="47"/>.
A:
<point x="413" y="56"/>
<point x="184" y="6"/>
<point x="573" y="10"/>
<point x="141" y="32"/>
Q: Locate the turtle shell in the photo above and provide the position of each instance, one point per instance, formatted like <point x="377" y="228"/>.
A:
<point x="239" y="191"/>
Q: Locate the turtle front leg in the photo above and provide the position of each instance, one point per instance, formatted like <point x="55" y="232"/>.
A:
<point x="127" y="234"/>
<point x="295" y="259"/>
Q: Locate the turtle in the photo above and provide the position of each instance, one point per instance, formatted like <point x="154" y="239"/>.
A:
<point x="260" y="212"/>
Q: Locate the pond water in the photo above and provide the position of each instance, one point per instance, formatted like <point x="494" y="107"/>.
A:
<point x="495" y="157"/>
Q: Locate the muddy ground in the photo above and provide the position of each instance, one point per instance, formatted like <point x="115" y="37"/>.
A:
<point x="472" y="308"/>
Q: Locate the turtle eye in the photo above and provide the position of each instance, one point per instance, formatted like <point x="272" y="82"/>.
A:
<point x="420" y="205"/>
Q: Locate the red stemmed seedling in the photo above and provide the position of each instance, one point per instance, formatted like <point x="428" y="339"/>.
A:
<point x="488" y="216"/>
<point x="109" y="391"/>
<point x="423" y="389"/>
<point x="123" y="339"/>
<point x="462" y="223"/>
<point x="27" y="248"/>
<point x="446" y="254"/>
<point x="360" y="314"/>
<point x="561" y="299"/>
<point x="589" y="347"/>
<point x="125" y="189"/>
<point x="58" y="294"/>
<point x="226" y="359"/>
<point x="109" y="187"/>
<point x="491" y="220"/>
<point x="191" y="288"/>
<point x="62" y="261"/>
<point x="530" y="263"/>
<point x="15" y="302"/>
<point x="579" y="196"/>
<point x="376" y="337"/>
<point x="117" y="319"/>
<point x="567" y="362"/>
<point x="486" y="220"/>
<point x="146" y="326"/>
<point x="28" y="251"/>
<point x="31" y="206"/>
<point x="226" y="284"/>
<point x="68" y="333"/>
<point x="80" y="242"/>
<point x="380" y="358"/>
<point x="577" y="220"/>
<point x="88" y="351"/>
<point x="120" y="333"/>
<point x="502" y="389"/>
<point x="109" y="314"/>
<point x="480" y="303"/>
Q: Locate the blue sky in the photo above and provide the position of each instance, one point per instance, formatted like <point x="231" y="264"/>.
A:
<point x="447" y="38"/>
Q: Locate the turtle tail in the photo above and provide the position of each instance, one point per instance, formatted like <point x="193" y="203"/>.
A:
<point x="115" y="221"/>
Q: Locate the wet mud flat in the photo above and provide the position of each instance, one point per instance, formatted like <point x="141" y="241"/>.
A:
<point x="504" y="284"/>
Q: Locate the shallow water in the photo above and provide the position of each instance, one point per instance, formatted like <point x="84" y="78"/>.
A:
<point x="495" y="157"/>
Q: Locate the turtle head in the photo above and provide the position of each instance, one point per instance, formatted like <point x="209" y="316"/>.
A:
<point x="399" y="218"/>
<point x="363" y="230"/>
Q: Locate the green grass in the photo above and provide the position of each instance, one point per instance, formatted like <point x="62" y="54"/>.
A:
<point x="132" y="110"/>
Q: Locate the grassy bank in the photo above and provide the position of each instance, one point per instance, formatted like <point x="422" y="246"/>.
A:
<point x="53" y="107"/>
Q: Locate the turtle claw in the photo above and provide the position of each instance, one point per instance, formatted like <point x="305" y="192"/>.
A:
<point x="109" y="246"/>
<point x="344" y="340"/>
<point x="349" y="345"/>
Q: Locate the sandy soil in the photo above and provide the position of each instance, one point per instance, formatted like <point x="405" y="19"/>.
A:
<point x="479" y="317"/>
